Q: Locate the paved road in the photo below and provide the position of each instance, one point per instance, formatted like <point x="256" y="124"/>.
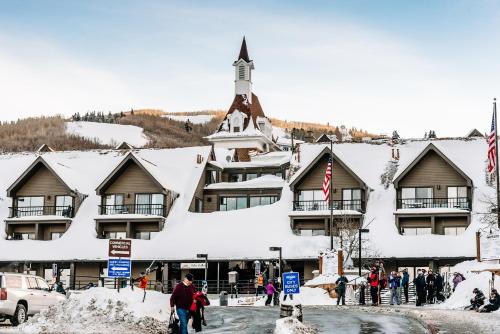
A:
<point x="261" y="320"/>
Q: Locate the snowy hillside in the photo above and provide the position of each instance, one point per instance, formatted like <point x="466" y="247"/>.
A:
<point x="195" y="119"/>
<point x="108" y="134"/>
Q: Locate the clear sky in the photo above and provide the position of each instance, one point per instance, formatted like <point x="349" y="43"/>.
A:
<point x="376" y="65"/>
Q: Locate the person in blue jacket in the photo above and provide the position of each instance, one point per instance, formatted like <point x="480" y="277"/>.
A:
<point x="405" y="281"/>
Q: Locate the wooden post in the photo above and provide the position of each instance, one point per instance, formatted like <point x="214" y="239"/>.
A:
<point x="478" y="246"/>
<point x="320" y="260"/>
<point x="340" y="262"/>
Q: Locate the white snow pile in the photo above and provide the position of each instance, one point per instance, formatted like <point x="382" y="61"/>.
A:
<point x="291" y="325"/>
<point x="313" y="297"/>
<point x="195" y="119"/>
<point x="463" y="293"/>
<point x="101" y="310"/>
<point x="108" y="134"/>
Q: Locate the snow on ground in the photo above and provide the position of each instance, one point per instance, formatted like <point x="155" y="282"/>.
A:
<point x="463" y="293"/>
<point x="291" y="325"/>
<point x="102" y="310"/>
<point x="195" y="119"/>
<point x="108" y="134"/>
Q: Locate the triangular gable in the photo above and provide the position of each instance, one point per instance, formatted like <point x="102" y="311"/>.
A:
<point x="129" y="158"/>
<point x="320" y="155"/>
<point x="26" y="175"/>
<point x="124" y="146"/>
<point x="427" y="149"/>
<point x="44" y="148"/>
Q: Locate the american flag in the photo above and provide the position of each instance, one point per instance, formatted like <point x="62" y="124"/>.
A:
<point x="492" y="150"/>
<point x="326" y="182"/>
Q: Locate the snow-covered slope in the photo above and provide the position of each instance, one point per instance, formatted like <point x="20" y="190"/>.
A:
<point x="108" y="134"/>
<point x="195" y="119"/>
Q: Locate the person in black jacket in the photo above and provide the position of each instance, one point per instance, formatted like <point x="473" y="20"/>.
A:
<point x="419" y="282"/>
<point x="430" y="280"/>
<point x="439" y="287"/>
<point x="478" y="300"/>
<point x="340" y="289"/>
<point x="494" y="302"/>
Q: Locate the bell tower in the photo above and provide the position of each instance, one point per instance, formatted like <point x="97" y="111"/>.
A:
<point x="243" y="73"/>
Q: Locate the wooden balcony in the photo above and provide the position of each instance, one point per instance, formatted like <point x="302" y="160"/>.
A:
<point x="27" y="211"/>
<point x="463" y="203"/>
<point x="355" y="205"/>
<point x="139" y="209"/>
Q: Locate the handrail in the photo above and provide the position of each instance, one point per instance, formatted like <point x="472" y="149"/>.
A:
<point x="26" y="211"/>
<point x="143" y="209"/>
<point x="434" y="202"/>
<point x="316" y="205"/>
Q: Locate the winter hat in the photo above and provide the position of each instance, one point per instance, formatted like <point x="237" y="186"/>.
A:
<point x="189" y="277"/>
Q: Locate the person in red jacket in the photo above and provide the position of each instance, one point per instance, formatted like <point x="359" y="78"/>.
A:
<point x="182" y="298"/>
<point x="200" y="300"/>
<point x="373" y="280"/>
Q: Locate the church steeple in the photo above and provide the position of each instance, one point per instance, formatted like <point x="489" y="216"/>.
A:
<point x="243" y="73"/>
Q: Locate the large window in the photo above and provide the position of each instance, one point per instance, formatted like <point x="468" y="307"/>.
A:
<point x="311" y="195"/>
<point x="30" y="206"/>
<point x="24" y="236"/>
<point x="56" y="235"/>
<point x="251" y="176"/>
<point x="145" y="235"/>
<point x="416" y="197"/>
<point x="149" y="204"/>
<point x="198" y="205"/>
<point x="454" y="230"/>
<point x="64" y="205"/>
<point x="351" y="199"/>
<point x="457" y="197"/>
<point x="262" y="200"/>
<point x="232" y="203"/>
<point x="114" y="204"/>
<point x="211" y="176"/>
<point x="416" y="230"/>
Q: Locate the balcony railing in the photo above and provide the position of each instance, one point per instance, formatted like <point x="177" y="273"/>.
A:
<point x="141" y="209"/>
<point x="356" y="205"/>
<point x="450" y="203"/>
<point x="26" y="211"/>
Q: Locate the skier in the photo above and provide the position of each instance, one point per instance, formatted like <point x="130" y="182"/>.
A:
<point x="181" y="298"/>
<point x="405" y="281"/>
<point x="340" y="289"/>
<point x="477" y="301"/>
<point x="270" y="290"/>
<point x="430" y="280"/>
<point x="373" y="280"/>
<point x="494" y="302"/>
<point x="394" y="282"/>
<point x="419" y="283"/>
<point x="197" y="309"/>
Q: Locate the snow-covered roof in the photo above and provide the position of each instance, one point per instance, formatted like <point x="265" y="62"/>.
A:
<point x="263" y="182"/>
<point x="179" y="169"/>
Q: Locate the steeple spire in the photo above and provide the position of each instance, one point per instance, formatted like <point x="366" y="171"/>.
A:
<point x="243" y="51"/>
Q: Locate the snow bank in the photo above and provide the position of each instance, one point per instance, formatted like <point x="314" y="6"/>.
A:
<point x="101" y="310"/>
<point x="313" y="297"/>
<point x="463" y="293"/>
<point x="291" y="325"/>
<point x="108" y="134"/>
<point x="195" y="119"/>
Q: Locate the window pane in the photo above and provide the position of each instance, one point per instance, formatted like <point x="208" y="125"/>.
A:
<point x="242" y="203"/>
<point x="110" y="200"/>
<point x="318" y="195"/>
<point x="452" y="192"/>
<point x="356" y="194"/>
<point x="251" y="176"/>
<point x="31" y="281"/>
<point x="254" y="201"/>
<point x="118" y="199"/>
<point x="424" y="192"/>
<point x="235" y="177"/>
<point x="42" y="284"/>
<point x="143" y="235"/>
<point x="306" y="233"/>
<point x="279" y="174"/>
<point x="55" y="235"/>
<point x="13" y="282"/>
<point x="142" y="199"/>
<point x="231" y="203"/>
<point x="423" y="230"/>
<point x="318" y="232"/>
<point x="306" y="195"/>
<point x="462" y="191"/>
<point x="265" y="200"/>
<point x="346" y="194"/>
<point x="157" y="199"/>
<point x="30" y="201"/>
<point x="407" y="193"/>
<point x="64" y="200"/>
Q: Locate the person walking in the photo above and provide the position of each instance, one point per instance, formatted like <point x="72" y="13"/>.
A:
<point x="270" y="290"/>
<point x="341" y="287"/>
<point x="181" y="299"/>
<point x="419" y="283"/>
<point x="431" y="281"/>
<point x="405" y="282"/>
<point x="394" y="282"/>
<point x="373" y="280"/>
<point x="197" y="310"/>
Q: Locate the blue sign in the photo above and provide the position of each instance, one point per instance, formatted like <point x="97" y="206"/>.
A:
<point x="291" y="283"/>
<point x="119" y="267"/>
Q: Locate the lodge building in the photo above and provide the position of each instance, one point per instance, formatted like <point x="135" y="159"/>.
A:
<point x="244" y="193"/>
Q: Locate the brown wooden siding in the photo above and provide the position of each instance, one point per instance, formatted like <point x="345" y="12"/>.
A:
<point x="415" y="222"/>
<point x="432" y="170"/>
<point x="210" y="203"/>
<point x="442" y="222"/>
<point x="44" y="183"/>
<point x="133" y="180"/>
<point x="47" y="229"/>
<point x="199" y="191"/>
<point x="342" y="179"/>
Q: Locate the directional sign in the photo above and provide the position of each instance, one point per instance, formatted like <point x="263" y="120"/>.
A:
<point x="120" y="248"/>
<point x="119" y="268"/>
<point x="291" y="283"/>
<point x="490" y="246"/>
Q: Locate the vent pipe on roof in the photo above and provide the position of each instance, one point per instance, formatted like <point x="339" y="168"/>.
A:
<point x="395" y="154"/>
<point x="199" y="159"/>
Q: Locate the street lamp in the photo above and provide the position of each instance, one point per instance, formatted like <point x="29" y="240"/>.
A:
<point x="277" y="249"/>
<point x="361" y="230"/>
<point x="204" y="256"/>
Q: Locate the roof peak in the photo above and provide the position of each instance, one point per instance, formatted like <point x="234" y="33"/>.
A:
<point x="243" y="51"/>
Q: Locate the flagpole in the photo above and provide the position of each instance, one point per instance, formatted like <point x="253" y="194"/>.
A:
<point x="496" y="160"/>
<point x="331" y="195"/>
